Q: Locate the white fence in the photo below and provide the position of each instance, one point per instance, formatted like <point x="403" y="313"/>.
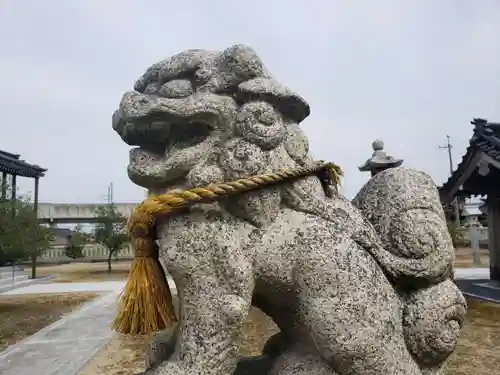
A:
<point x="90" y="252"/>
<point x="98" y="252"/>
<point x="482" y="232"/>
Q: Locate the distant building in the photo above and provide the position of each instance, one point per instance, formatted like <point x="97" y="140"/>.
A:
<point x="61" y="236"/>
<point x="477" y="175"/>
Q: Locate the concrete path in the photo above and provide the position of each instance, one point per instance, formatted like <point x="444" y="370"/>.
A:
<point x="10" y="286"/>
<point x="472" y="273"/>
<point x="64" y="347"/>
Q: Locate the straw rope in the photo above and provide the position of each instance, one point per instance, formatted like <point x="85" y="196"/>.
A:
<point x="146" y="303"/>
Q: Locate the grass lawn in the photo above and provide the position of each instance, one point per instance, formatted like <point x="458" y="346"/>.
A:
<point x="463" y="258"/>
<point x="124" y="355"/>
<point x="22" y="316"/>
<point x="477" y="352"/>
<point x="84" y="272"/>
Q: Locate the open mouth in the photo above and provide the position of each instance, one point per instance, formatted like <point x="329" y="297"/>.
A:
<point x="173" y="135"/>
<point x="177" y="148"/>
<point x="167" y="150"/>
<point x="158" y="124"/>
<point x="159" y="134"/>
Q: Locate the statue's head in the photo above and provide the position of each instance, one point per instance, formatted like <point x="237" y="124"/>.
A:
<point x="201" y="115"/>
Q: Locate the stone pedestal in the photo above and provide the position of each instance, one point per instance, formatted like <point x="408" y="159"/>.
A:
<point x="494" y="236"/>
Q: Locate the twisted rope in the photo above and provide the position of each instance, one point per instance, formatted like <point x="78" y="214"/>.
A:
<point x="143" y="219"/>
<point x="146" y="303"/>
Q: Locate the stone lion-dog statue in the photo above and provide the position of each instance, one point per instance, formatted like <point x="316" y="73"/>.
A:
<point x="362" y="287"/>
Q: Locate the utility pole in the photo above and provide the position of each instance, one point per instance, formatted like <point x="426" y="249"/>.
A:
<point x="109" y="195"/>
<point x="448" y="147"/>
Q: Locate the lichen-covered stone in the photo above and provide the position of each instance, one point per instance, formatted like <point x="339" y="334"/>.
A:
<point x="356" y="288"/>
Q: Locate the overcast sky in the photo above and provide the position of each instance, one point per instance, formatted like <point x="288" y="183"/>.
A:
<point x="406" y="72"/>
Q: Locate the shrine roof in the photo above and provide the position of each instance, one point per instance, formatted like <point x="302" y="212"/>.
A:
<point x="11" y="164"/>
<point x="479" y="170"/>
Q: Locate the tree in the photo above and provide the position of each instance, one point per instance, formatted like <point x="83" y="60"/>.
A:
<point x="21" y="234"/>
<point x="456" y="237"/>
<point x="76" y="243"/>
<point x="110" y="230"/>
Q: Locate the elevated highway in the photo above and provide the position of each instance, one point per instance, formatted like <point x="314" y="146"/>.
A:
<point x="76" y="213"/>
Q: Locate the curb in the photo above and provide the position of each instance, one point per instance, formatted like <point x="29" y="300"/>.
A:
<point x="26" y="283"/>
<point x="482" y="298"/>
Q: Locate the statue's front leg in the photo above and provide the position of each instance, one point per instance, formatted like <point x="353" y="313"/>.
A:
<point x="214" y="278"/>
<point x="212" y="317"/>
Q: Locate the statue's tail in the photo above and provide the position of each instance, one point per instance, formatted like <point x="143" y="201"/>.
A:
<point x="403" y="206"/>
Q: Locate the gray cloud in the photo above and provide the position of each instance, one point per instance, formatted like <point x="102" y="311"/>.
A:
<point x="408" y="73"/>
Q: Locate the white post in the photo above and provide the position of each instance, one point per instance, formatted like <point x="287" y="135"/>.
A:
<point x="474" y="243"/>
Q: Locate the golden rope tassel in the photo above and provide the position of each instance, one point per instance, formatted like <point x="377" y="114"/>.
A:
<point x="146" y="303"/>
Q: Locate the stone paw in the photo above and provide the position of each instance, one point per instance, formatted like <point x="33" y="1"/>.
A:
<point x="161" y="348"/>
<point x="169" y="368"/>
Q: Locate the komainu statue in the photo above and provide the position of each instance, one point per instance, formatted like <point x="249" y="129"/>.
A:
<point x="242" y="215"/>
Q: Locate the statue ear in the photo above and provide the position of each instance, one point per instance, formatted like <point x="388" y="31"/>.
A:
<point x="290" y="104"/>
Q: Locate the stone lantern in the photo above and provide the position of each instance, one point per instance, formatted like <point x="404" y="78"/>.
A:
<point x="379" y="161"/>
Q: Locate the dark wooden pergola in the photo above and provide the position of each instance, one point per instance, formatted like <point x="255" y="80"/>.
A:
<point x="478" y="174"/>
<point x="11" y="165"/>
